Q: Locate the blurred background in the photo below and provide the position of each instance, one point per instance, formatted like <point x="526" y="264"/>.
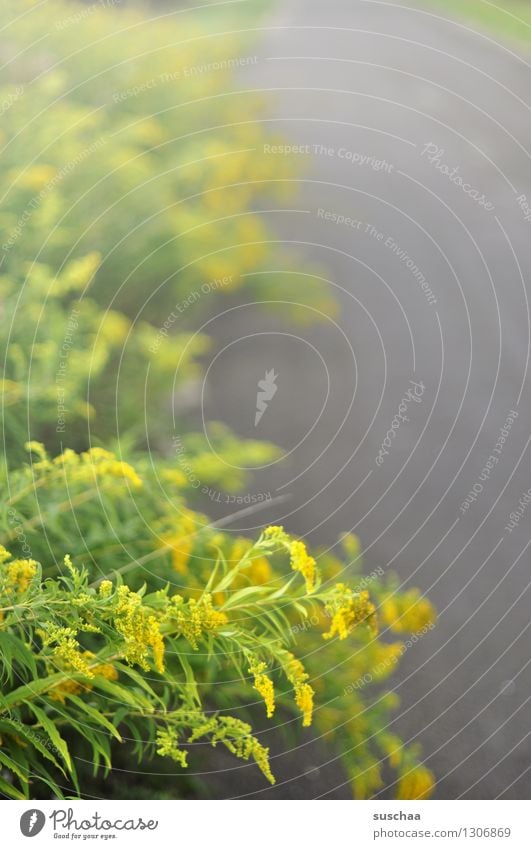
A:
<point x="325" y="208"/>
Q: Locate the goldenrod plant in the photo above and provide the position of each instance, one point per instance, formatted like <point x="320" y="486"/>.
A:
<point x="130" y="621"/>
<point x="131" y="626"/>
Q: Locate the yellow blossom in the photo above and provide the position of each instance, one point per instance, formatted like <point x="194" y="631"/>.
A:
<point x="304" y="699"/>
<point x="66" y="650"/>
<point x="168" y="746"/>
<point x="19" y="574"/>
<point x="407" y="612"/>
<point x="72" y="687"/>
<point x="105" y="589"/>
<point x="276" y="532"/>
<point x="304" y="693"/>
<point x="181" y="542"/>
<point x="304" y="563"/>
<point x="417" y="783"/>
<point x="259" y="571"/>
<point x="37" y="176"/>
<point x="348" y="609"/>
<point x="140" y="630"/>
<point x="263" y="685"/>
<point x="195" y="617"/>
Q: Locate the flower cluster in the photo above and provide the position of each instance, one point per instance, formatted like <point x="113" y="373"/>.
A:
<point x="73" y="687"/>
<point x="16" y="575"/>
<point x="300" y="560"/>
<point x="194" y="618"/>
<point x="181" y="541"/>
<point x="416" y="783"/>
<point x="140" y="629"/>
<point x="95" y="465"/>
<point x="347" y="609"/>
<point x="407" y="613"/>
<point x="66" y="650"/>
<point x="168" y="745"/>
<point x="263" y="684"/>
<point x="304" y="693"/>
<point x="304" y="563"/>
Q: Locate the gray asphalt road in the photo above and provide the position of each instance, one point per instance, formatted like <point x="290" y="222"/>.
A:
<point x="418" y="131"/>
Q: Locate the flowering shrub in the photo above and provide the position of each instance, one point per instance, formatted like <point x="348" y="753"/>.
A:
<point x="131" y="626"/>
<point x="128" y="634"/>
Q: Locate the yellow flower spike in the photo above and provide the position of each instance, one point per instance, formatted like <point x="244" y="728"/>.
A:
<point x="181" y="542"/>
<point x="304" y="693"/>
<point x="351" y="545"/>
<point x="105" y="589"/>
<point x="304" y="699"/>
<point x="140" y="630"/>
<point x="304" y="563"/>
<point x="264" y="686"/>
<point x="407" y="613"/>
<point x="4" y="554"/>
<point x="260" y="755"/>
<point x="66" y="650"/>
<point x="259" y="571"/>
<point x="348" y="609"/>
<point x="276" y="532"/>
<point x="19" y="574"/>
<point x="37" y="448"/>
<point x="417" y="783"/>
<point x="194" y="618"/>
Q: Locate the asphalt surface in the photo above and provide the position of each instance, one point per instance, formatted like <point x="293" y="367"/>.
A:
<point x="432" y="277"/>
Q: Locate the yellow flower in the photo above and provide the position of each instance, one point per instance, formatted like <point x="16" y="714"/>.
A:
<point x="407" y="612"/>
<point x="259" y="571"/>
<point x="140" y="630"/>
<point x="11" y="391"/>
<point x="348" y="609"/>
<point x="97" y="463"/>
<point x="304" y="699"/>
<point x="276" y="532"/>
<point x="114" y="327"/>
<point x="168" y="746"/>
<point x="19" y="574"/>
<point x="260" y="755"/>
<point x="105" y="589"/>
<point x="4" y="554"/>
<point x="263" y="685"/>
<point x="302" y="562"/>
<point x="66" y="650"/>
<point x="36" y="448"/>
<point x="78" y="273"/>
<point x="174" y="476"/>
<point x="417" y="783"/>
<point x="304" y="693"/>
<point x="352" y="545"/>
<point x="181" y="542"/>
<point x="71" y="687"/>
<point x="193" y="618"/>
<point x="37" y="176"/>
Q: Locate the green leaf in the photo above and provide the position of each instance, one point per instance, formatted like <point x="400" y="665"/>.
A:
<point x="94" y="714"/>
<point x="48" y="725"/>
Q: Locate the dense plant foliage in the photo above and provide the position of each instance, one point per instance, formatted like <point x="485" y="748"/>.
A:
<point x="128" y="618"/>
<point x="128" y="621"/>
